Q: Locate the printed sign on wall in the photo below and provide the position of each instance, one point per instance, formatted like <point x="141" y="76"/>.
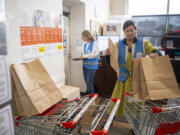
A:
<point x="5" y="90"/>
<point x="6" y="121"/>
<point x="41" y="36"/>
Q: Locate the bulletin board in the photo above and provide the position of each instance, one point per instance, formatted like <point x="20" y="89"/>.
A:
<point x="40" y="33"/>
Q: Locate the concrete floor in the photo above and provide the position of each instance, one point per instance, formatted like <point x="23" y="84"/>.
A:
<point x="119" y="131"/>
<point x="120" y="125"/>
<point x="120" y="128"/>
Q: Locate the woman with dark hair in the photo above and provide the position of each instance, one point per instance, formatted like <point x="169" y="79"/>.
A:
<point x="128" y="48"/>
<point x="90" y="60"/>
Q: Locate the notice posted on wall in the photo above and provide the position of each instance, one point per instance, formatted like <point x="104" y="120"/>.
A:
<point x="40" y="32"/>
<point x="5" y="86"/>
<point x="3" y="47"/>
<point x="6" y="121"/>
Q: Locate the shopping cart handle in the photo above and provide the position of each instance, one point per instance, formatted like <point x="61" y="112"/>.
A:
<point x="69" y="124"/>
<point x="115" y="99"/>
<point x="103" y="132"/>
<point x="72" y="123"/>
<point x="92" y="95"/>
<point x="164" y="109"/>
<point x="156" y="109"/>
<point x="19" y="118"/>
<point x="126" y="94"/>
<point x="110" y="119"/>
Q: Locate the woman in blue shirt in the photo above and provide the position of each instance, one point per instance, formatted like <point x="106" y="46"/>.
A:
<point x="90" y="60"/>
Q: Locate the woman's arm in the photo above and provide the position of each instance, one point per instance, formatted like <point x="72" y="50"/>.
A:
<point x="151" y="50"/>
<point x="94" y="53"/>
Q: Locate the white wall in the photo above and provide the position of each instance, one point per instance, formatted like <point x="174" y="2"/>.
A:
<point x="66" y="9"/>
<point x="53" y="63"/>
<point x="77" y="25"/>
<point x="102" y="11"/>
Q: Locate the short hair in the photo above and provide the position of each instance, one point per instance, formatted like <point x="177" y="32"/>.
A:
<point x="128" y="23"/>
<point x="88" y="35"/>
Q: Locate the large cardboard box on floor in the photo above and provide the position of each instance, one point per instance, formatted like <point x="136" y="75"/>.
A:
<point x="70" y="92"/>
<point x="35" y="91"/>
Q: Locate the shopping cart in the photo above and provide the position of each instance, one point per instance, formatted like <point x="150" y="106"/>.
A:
<point x="78" y="117"/>
<point x="150" y="118"/>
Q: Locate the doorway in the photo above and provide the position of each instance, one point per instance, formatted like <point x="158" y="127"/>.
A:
<point x="66" y="45"/>
<point x="74" y="24"/>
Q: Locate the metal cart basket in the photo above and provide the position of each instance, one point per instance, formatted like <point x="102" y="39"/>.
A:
<point x="77" y="117"/>
<point x="153" y="118"/>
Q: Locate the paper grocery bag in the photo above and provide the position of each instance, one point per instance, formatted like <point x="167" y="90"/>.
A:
<point x="140" y="90"/>
<point x="160" y="79"/>
<point x="137" y="79"/>
<point x="114" y="56"/>
<point x="154" y="79"/>
<point x="17" y="105"/>
<point x="144" y="93"/>
<point x="35" y="89"/>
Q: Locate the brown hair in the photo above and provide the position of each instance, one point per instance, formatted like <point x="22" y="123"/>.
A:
<point x="128" y="23"/>
<point x="88" y="35"/>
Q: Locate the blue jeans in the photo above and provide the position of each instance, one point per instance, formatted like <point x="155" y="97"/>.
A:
<point x="89" y="79"/>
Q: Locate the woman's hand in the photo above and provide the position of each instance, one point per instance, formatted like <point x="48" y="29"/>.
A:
<point x="81" y="57"/>
<point x="107" y="51"/>
<point x="153" y="55"/>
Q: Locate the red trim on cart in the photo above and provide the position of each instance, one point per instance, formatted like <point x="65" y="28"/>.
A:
<point x="168" y="128"/>
<point x="92" y="95"/>
<point x="68" y="125"/>
<point x="19" y="118"/>
<point x="50" y="111"/>
<point x="156" y="109"/>
<point x="115" y="99"/>
<point x="176" y="127"/>
<point x="69" y="101"/>
<point x="103" y="132"/>
<point x="126" y="94"/>
<point x="17" y="124"/>
<point x="59" y="106"/>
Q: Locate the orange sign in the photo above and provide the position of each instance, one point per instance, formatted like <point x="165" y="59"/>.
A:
<point x="38" y="35"/>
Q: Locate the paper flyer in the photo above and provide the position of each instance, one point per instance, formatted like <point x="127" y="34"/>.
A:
<point x="40" y="32"/>
<point x="25" y="16"/>
<point x="3" y="45"/>
<point x="6" y="121"/>
<point x="5" y="86"/>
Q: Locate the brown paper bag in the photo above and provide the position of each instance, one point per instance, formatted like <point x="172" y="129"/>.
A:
<point x="17" y="105"/>
<point x="144" y="92"/>
<point x="137" y="79"/>
<point x="114" y="56"/>
<point x="35" y="89"/>
<point x="154" y="79"/>
<point x="139" y="83"/>
<point x="160" y="79"/>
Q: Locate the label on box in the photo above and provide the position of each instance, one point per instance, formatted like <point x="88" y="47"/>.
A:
<point x="169" y="44"/>
<point x="5" y="88"/>
<point x="6" y="121"/>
